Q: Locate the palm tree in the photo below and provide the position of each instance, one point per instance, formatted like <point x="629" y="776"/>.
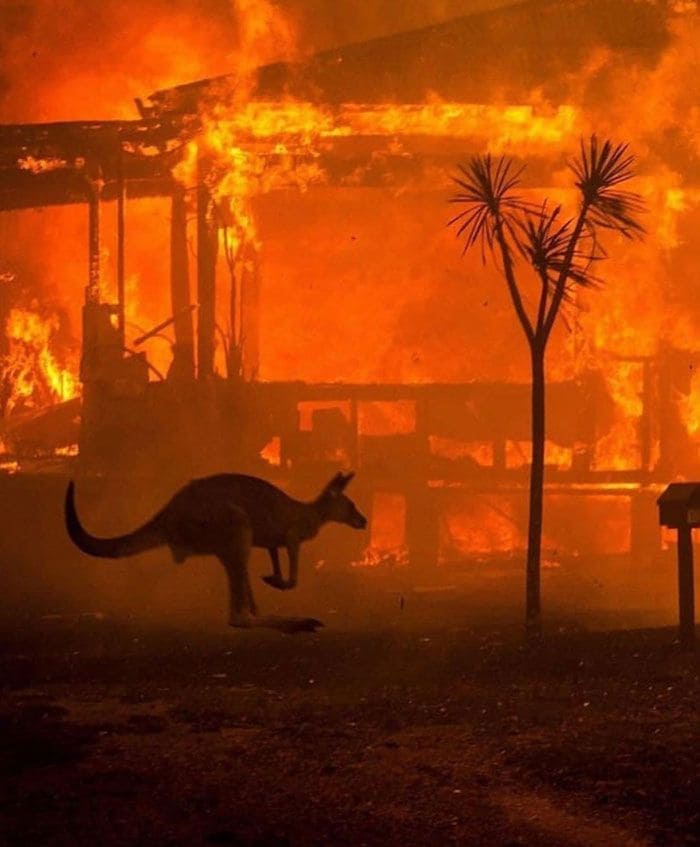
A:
<point x="562" y="253"/>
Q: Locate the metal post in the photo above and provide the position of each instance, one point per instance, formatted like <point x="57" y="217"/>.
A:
<point x="686" y="588"/>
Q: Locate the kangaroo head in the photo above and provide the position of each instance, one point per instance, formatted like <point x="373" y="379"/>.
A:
<point x="335" y="506"/>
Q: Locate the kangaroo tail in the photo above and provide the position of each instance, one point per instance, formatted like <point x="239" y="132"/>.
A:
<point x="138" y="541"/>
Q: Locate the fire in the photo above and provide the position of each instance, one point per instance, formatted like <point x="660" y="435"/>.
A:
<point x="30" y="370"/>
<point x="502" y="128"/>
<point x="375" y="557"/>
<point x="519" y="454"/>
<point x="253" y="148"/>
<point x="689" y="406"/>
<point x="40" y="166"/>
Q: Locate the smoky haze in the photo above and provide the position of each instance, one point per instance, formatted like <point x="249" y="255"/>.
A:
<point x="67" y="59"/>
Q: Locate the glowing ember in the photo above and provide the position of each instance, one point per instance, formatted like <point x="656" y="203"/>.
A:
<point x="272" y="452"/>
<point x="70" y="450"/>
<point x="39" y="166"/>
<point x="374" y="557"/>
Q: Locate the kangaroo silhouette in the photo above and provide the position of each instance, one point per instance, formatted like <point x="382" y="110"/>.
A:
<point x="225" y="516"/>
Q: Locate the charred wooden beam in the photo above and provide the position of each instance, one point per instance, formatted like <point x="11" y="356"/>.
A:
<point x="206" y="277"/>
<point x="158" y="328"/>
<point x="72" y="139"/>
<point x="121" y="267"/>
<point x="92" y="291"/>
<point x="183" y="352"/>
<point x="250" y="312"/>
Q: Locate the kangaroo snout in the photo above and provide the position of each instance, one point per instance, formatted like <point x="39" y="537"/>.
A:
<point x="358" y="521"/>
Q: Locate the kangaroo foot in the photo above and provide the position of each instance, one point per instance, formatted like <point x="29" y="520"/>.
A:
<point x="294" y="625"/>
<point x="277" y="582"/>
<point x="242" y="621"/>
<point x="278" y="622"/>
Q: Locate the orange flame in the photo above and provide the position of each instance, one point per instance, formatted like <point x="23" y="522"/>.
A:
<point x="30" y="368"/>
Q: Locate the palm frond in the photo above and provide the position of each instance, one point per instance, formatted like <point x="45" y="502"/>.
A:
<point x="545" y="242"/>
<point x="599" y="169"/>
<point x="487" y="191"/>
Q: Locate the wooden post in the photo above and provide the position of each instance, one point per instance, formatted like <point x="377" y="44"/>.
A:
<point x="249" y="339"/>
<point x="206" y="278"/>
<point x="92" y="291"/>
<point x="422" y="516"/>
<point x="686" y="587"/>
<point x="645" y="439"/>
<point x="180" y="287"/>
<point x="121" y="267"/>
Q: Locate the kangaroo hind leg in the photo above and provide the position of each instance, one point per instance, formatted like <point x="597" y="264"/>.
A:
<point x="234" y="557"/>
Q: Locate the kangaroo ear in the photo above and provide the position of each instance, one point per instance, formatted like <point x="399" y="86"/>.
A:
<point x="336" y="485"/>
<point x="346" y="480"/>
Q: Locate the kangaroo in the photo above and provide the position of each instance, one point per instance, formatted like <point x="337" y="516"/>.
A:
<point x="225" y="516"/>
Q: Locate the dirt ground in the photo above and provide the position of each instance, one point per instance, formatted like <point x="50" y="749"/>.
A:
<point x="117" y="733"/>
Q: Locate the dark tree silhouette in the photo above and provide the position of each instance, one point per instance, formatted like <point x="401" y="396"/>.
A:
<point x="562" y="253"/>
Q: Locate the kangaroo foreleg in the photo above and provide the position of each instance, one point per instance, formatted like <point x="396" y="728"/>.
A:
<point x="293" y="553"/>
<point x="275" y="579"/>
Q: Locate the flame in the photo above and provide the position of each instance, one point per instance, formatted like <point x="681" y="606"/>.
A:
<point x="373" y="557"/>
<point x="39" y="166"/>
<point x="30" y="369"/>
<point x="689" y="406"/>
<point x="502" y="128"/>
<point x="519" y="454"/>
<point x="242" y="166"/>
<point x="272" y="452"/>
<point x="69" y="450"/>
<point x="265" y="34"/>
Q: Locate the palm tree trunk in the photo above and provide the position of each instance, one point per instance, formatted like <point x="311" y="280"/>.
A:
<point x="533" y="621"/>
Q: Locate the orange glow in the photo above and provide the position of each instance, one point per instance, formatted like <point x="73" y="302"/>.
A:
<point x="488" y="526"/>
<point x="272" y="452"/>
<point x="69" y="451"/>
<point x="519" y="454"/>
<point x="689" y="406"/>
<point x="480" y="452"/>
<point x="387" y="545"/>
<point x="386" y="418"/>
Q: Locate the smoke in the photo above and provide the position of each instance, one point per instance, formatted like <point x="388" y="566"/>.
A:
<point x="69" y="60"/>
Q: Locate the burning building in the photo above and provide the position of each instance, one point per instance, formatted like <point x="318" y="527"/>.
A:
<point x="253" y="272"/>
